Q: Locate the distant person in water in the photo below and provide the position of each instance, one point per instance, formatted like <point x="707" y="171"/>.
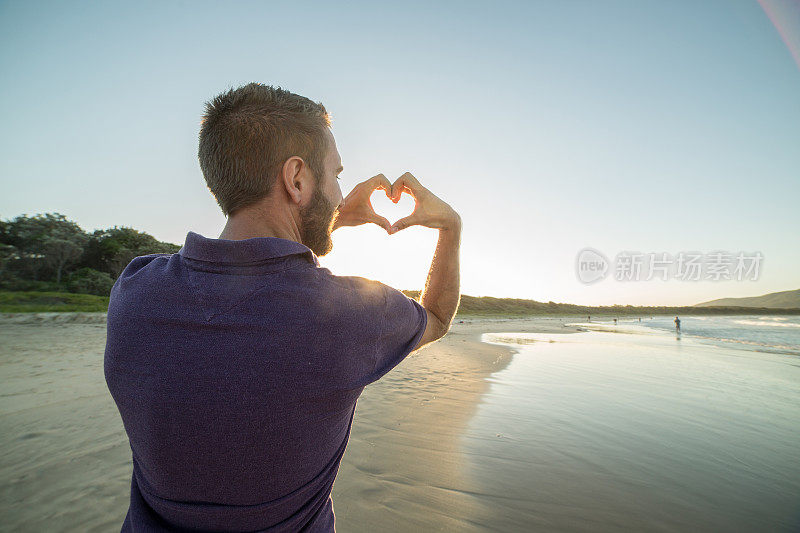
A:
<point x="615" y="321"/>
<point x="589" y="318"/>
<point x="677" y="324"/>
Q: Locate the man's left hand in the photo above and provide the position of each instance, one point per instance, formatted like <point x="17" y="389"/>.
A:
<point x="356" y="208"/>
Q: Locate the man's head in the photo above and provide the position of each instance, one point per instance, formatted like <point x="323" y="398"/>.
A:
<point x="260" y="142"/>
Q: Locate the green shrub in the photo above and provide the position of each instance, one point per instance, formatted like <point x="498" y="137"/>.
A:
<point x="38" y="302"/>
<point x="11" y="282"/>
<point x="90" y="281"/>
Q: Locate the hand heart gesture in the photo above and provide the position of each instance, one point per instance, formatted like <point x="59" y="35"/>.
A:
<point x="429" y="210"/>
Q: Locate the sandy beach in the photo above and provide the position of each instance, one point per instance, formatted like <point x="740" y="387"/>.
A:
<point x="66" y="462"/>
<point x="503" y="425"/>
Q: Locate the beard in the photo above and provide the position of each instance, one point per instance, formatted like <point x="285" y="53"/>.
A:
<point x="316" y="221"/>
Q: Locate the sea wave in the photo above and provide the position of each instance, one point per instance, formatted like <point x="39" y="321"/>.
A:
<point x="773" y="323"/>
<point x="782" y="347"/>
<point x="774" y="334"/>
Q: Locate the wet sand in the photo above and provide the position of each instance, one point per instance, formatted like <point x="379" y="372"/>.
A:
<point x="66" y="462"/>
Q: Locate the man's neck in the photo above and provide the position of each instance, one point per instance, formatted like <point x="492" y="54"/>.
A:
<point x="255" y="222"/>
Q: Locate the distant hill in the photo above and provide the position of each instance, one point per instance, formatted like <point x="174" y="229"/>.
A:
<point x="774" y="300"/>
<point x="506" y="307"/>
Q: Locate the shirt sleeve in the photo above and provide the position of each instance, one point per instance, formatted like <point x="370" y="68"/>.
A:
<point x="402" y="324"/>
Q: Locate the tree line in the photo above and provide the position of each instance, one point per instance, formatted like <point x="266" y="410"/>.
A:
<point x="47" y="252"/>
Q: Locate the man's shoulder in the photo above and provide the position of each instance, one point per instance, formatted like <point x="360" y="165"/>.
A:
<point x="364" y="293"/>
<point x="356" y="287"/>
<point x="140" y="261"/>
<point x="142" y="272"/>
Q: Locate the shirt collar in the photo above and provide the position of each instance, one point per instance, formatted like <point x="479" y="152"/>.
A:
<point x="242" y="251"/>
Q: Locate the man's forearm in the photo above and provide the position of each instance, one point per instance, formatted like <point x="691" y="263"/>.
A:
<point x="443" y="287"/>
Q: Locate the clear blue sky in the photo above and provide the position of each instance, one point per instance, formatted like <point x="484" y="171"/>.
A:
<point x="550" y="126"/>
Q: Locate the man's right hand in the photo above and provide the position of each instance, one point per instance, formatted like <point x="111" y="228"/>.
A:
<point x="429" y="210"/>
<point x="441" y="294"/>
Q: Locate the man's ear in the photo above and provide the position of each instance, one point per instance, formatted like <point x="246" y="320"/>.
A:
<point x="294" y="176"/>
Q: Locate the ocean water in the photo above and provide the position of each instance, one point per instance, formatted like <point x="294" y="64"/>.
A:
<point x="641" y="429"/>
<point x="779" y="334"/>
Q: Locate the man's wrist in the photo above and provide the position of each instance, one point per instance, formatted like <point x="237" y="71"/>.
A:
<point x="452" y="223"/>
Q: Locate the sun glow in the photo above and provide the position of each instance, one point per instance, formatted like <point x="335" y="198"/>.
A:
<point x="401" y="260"/>
<point x="384" y="207"/>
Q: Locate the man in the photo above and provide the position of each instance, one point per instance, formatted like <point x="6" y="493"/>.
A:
<point x="236" y="363"/>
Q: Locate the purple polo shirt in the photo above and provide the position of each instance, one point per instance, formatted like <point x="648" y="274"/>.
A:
<point x="236" y="366"/>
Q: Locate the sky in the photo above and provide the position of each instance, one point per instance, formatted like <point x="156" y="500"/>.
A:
<point x="624" y="126"/>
